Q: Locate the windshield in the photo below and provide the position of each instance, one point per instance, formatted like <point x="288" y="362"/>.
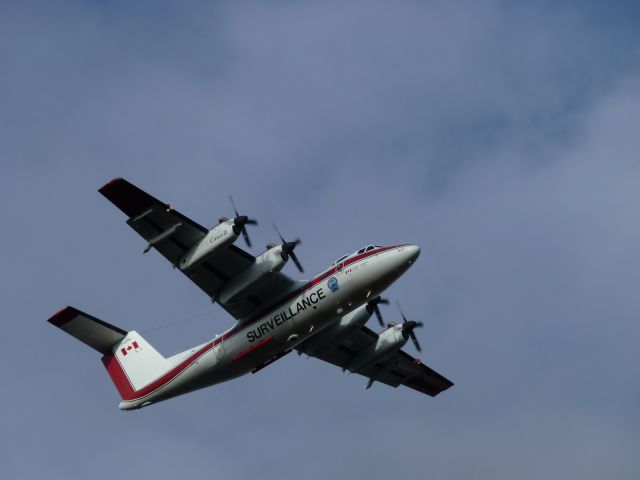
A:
<point x="368" y="248"/>
<point x="339" y="260"/>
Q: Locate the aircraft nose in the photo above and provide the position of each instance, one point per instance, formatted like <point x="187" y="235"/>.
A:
<point x="395" y="261"/>
<point x="405" y="256"/>
<point x="412" y="253"/>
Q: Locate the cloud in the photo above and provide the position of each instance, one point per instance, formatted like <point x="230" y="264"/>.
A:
<point x="499" y="137"/>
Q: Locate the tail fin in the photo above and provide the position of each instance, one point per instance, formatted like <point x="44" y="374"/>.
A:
<point x="129" y="359"/>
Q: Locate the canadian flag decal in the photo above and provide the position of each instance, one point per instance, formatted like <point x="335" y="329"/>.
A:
<point x="132" y="346"/>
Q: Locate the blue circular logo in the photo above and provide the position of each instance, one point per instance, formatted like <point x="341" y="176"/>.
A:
<point x="332" y="283"/>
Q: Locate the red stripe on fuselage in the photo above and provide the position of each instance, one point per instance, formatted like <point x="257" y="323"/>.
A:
<point x="123" y="384"/>
<point x="253" y="348"/>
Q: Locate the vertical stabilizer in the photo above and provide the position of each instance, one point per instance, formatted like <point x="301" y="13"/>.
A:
<point x="132" y="362"/>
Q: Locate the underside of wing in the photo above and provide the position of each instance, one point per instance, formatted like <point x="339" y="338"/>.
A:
<point x="90" y="330"/>
<point x="398" y="368"/>
<point x="174" y="235"/>
<point x="164" y="228"/>
<point x="402" y="369"/>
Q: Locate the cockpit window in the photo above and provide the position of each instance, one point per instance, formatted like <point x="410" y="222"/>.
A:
<point x="340" y="259"/>
<point x="368" y="248"/>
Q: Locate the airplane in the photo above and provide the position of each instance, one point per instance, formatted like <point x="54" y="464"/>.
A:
<point x="323" y="317"/>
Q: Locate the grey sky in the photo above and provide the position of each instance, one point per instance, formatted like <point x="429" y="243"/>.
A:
<point x="502" y="138"/>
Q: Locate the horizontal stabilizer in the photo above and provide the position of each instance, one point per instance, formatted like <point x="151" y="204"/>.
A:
<point x="99" y="335"/>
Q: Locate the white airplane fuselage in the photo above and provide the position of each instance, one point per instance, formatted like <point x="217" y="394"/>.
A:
<point x="257" y="341"/>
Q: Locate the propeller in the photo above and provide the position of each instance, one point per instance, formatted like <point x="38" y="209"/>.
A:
<point x="408" y="326"/>
<point x="239" y="223"/>
<point x="287" y="249"/>
<point x="372" y="307"/>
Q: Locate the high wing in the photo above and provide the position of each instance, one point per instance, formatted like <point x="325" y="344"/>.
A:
<point x="152" y="218"/>
<point x="399" y="368"/>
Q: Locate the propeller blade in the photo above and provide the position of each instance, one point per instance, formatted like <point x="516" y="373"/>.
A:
<point x="373" y="305"/>
<point x="287" y="249"/>
<point x="376" y="310"/>
<point x="278" y="232"/>
<point x="296" y="261"/>
<point x="240" y="221"/>
<point x="415" y="341"/>
<point x="245" y="235"/>
<point x="404" y="319"/>
<point x="233" y="204"/>
<point x="408" y="326"/>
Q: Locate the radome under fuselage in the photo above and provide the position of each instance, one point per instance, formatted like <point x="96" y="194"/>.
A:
<point x="256" y="342"/>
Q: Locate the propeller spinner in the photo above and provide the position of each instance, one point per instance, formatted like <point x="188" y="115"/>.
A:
<point x="287" y="249"/>
<point x="239" y="223"/>
<point x="408" y="326"/>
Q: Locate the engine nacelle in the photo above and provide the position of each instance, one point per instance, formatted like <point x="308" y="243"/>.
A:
<point x="388" y="342"/>
<point x="248" y="280"/>
<point x="338" y="330"/>
<point x="215" y="240"/>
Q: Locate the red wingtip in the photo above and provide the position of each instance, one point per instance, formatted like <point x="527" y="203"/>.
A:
<point x="127" y="197"/>
<point x="110" y="183"/>
<point x="63" y="316"/>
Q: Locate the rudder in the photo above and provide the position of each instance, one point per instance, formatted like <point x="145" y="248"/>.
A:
<point x="133" y="364"/>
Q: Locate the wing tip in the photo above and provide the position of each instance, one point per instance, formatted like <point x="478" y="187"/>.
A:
<point x="111" y="183"/>
<point x="63" y="316"/>
<point x="126" y="196"/>
<point x="431" y="388"/>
